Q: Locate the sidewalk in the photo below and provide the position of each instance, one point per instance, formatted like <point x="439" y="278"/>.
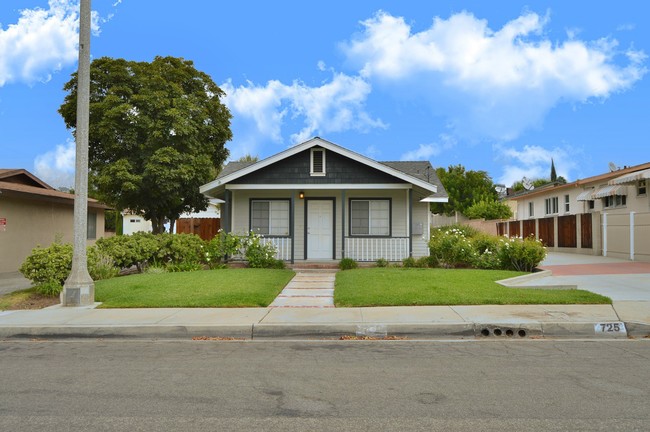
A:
<point x="287" y="319"/>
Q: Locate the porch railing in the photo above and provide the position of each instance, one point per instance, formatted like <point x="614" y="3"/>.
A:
<point x="373" y="248"/>
<point x="283" y="246"/>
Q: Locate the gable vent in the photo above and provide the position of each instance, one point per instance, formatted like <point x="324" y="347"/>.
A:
<point x="317" y="162"/>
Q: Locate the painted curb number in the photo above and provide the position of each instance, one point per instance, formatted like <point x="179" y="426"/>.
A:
<point x="610" y="327"/>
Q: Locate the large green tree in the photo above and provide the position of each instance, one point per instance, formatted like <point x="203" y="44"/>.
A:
<point x="464" y="188"/>
<point x="157" y="132"/>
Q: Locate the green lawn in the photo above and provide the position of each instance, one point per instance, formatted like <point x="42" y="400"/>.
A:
<point x="209" y="288"/>
<point x="407" y="287"/>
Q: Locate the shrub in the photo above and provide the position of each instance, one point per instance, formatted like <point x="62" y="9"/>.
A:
<point x="381" y="262"/>
<point x="49" y="288"/>
<point x="486" y="252"/>
<point x="259" y="254"/>
<point x="426" y="262"/>
<point x="452" y="247"/>
<point x="221" y="246"/>
<point x="185" y="266"/>
<point x="521" y="254"/>
<point x="348" y="264"/>
<point x="408" y="262"/>
<point x="50" y="264"/>
<point x="129" y="250"/>
<point x="179" y="249"/>
<point x="100" y="265"/>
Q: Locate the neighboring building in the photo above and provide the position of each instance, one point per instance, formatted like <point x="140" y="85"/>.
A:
<point x="33" y="213"/>
<point x="132" y="223"/>
<point x="320" y="201"/>
<point x="608" y="214"/>
<point x="205" y="224"/>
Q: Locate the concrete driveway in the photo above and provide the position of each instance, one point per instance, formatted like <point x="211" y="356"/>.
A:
<point x="12" y="281"/>
<point x="620" y="280"/>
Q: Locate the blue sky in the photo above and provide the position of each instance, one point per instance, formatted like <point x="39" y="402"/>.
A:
<point x="495" y="86"/>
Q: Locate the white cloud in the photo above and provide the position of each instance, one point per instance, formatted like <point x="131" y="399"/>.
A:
<point x="335" y="106"/>
<point x="491" y="84"/>
<point x="426" y="151"/>
<point x="41" y="42"/>
<point x="57" y="167"/>
<point x="534" y="162"/>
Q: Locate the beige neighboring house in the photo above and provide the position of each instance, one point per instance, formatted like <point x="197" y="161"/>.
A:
<point x="33" y="213"/>
<point x="607" y="214"/>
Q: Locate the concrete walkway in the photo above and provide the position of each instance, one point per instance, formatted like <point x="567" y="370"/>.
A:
<point x="308" y="288"/>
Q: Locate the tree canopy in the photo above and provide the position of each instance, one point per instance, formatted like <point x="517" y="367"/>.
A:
<point x="464" y="188"/>
<point x="157" y="132"/>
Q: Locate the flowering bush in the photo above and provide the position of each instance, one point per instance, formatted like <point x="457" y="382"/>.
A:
<point x="260" y="254"/>
<point x="223" y="245"/>
<point x="485" y="252"/>
<point x="451" y="248"/>
<point x="521" y="254"/>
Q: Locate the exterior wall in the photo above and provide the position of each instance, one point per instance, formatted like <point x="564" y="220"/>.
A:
<point x="129" y="227"/>
<point x="399" y="214"/>
<point x="31" y="223"/>
<point x="642" y="237"/>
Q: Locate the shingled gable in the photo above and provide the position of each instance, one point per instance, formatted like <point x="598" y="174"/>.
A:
<point x="236" y="172"/>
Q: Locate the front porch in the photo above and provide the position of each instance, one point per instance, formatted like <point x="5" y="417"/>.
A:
<point x="362" y="249"/>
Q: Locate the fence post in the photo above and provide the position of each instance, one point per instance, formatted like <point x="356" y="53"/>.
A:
<point x="632" y="235"/>
<point x="604" y="234"/>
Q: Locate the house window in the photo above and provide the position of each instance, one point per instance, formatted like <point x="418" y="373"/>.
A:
<point x="317" y="162"/>
<point x="567" y="205"/>
<point x="641" y="187"/>
<point x="270" y="217"/>
<point x="91" y="227"/>
<point x="615" y="201"/>
<point x="591" y="204"/>
<point x="552" y="205"/>
<point x="370" y="217"/>
<point x="531" y="209"/>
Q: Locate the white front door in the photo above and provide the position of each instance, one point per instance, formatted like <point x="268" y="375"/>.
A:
<point x="320" y="236"/>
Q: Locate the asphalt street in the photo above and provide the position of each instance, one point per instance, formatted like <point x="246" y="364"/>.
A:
<point x="524" y="385"/>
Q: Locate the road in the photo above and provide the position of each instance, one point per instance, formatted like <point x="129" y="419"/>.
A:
<point x="526" y="385"/>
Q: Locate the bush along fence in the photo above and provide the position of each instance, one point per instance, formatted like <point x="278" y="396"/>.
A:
<point x="49" y="267"/>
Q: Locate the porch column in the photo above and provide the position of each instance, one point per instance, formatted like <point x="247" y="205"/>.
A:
<point x="410" y="221"/>
<point x="342" y="224"/>
<point x="227" y="208"/>
<point x="292" y="208"/>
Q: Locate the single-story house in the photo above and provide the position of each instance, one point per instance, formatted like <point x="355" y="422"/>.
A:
<point x="33" y="213"/>
<point x="319" y="201"/>
<point x="133" y="223"/>
<point x="607" y="214"/>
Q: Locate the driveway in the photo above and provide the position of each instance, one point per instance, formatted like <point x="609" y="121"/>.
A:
<point x="618" y="279"/>
<point x="13" y="281"/>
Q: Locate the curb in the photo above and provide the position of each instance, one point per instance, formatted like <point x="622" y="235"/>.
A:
<point x="519" y="282"/>
<point x="415" y="331"/>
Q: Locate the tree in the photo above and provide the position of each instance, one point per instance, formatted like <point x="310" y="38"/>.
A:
<point x="553" y="173"/>
<point x="157" y="132"/>
<point x="464" y="189"/>
<point x="248" y="158"/>
<point x="489" y="210"/>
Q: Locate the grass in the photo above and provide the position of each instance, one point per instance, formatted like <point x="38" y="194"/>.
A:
<point x="26" y="299"/>
<point x="208" y="288"/>
<point x="409" y="287"/>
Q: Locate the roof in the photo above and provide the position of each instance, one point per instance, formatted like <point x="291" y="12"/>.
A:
<point x="415" y="172"/>
<point x="22" y="182"/>
<point x="589" y="181"/>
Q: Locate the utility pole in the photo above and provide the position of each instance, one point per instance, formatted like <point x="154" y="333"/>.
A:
<point x="79" y="288"/>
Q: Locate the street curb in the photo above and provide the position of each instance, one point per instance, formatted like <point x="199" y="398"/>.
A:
<point x="416" y="331"/>
<point x="127" y="332"/>
<point x="637" y="329"/>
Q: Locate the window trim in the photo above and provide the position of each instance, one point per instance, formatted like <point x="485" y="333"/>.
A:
<point x="250" y="216"/>
<point x="531" y="209"/>
<point x="639" y="186"/>
<point x="311" y="163"/>
<point x="554" y="207"/>
<point x="390" y="217"/>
